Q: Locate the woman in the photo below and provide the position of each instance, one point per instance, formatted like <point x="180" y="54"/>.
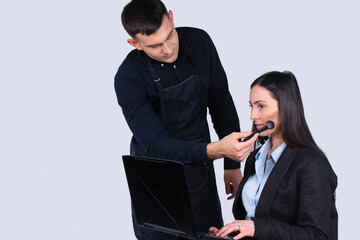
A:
<point x="288" y="189"/>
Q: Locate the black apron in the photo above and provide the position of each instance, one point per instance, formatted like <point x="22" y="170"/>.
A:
<point x="183" y="114"/>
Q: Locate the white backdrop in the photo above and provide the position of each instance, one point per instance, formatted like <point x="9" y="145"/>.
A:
<point x="62" y="133"/>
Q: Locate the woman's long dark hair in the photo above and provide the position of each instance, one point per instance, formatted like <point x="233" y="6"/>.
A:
<point x="284" y="88"/>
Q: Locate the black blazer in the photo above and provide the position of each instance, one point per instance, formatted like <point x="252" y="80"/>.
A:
<point x="298" y="199"/>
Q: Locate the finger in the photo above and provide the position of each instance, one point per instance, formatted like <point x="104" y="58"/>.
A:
<point x="213" y="230"/>
<point x="231" y="191"/>
<point x="231" y="196"/>
<point x="239" y="236"/>
<point x="244" y="148"/>
<point x="221" y="230"/>
<point x="239" y="135"/>
<point x="247" y="147"/>
<point x="253" y="139"/>
<point x="235" y="187"/>
<point x="227" y="229"/>
<point x="242" y="156"/>
<point x="227" y="186"/>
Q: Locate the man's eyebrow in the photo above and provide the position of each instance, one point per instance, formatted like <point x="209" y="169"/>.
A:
<point x="158" y="44"/>
<point x="170" y="33"/>
<point x="154" y="45"/>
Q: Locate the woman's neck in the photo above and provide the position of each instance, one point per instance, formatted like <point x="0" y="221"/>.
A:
<point x="276" y="141"/>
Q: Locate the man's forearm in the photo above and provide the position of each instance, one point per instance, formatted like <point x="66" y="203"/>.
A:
<point x="212" y="151"/>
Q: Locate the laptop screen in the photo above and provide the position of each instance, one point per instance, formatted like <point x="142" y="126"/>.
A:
<point x="159" y="195"/>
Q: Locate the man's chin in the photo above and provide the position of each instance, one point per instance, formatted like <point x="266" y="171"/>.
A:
<point x="171" y="59"/>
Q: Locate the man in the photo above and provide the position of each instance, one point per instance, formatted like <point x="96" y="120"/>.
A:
<point x="164" y="87"/>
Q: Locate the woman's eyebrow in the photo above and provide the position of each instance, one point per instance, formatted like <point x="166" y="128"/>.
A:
<point x="259" y="101"/>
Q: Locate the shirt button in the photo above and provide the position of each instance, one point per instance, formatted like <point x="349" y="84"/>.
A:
<point x="174" y="66"/>
<point x="162" y="64"/>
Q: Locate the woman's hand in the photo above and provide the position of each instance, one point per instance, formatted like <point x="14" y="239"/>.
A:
<point x="245" y="228"/>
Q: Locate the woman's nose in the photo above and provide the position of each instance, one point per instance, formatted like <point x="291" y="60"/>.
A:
<point x="253" y="115"/>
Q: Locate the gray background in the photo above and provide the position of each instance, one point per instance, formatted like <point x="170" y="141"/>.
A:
<point x="62" y="133"/>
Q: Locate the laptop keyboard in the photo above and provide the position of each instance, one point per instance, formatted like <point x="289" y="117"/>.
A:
<point x="209" y="236"/>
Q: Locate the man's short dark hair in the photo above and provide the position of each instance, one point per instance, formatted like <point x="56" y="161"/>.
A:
<point x="143" y="16"/>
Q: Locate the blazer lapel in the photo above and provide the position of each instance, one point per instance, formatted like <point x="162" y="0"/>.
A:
<point x="238" y="207"/>
<point x="274" y="180"/>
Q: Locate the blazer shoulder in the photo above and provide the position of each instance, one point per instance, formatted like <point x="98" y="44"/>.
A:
<point x="310" y="160"/>
<point x="306" y="155"/>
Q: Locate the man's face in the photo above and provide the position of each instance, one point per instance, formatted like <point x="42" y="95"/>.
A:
<point x="162" y="45"/>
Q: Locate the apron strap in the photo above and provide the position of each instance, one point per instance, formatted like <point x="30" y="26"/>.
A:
<point x="156" y="79"/>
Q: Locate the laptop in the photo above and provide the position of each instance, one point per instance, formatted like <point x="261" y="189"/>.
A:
<point x="160" y="197"/>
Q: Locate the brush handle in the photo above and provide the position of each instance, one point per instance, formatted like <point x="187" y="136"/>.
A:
<point x="269" y="125"/>
<point x="250" y="136"/>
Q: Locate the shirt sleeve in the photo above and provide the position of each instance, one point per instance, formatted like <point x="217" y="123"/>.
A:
<point x="147" y="127"/>
<point x="221" y="106"/>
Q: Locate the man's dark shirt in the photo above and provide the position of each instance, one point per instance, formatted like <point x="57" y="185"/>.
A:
<point x="136" y="90"/>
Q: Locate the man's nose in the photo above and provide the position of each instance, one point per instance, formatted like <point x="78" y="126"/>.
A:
<point x="166" y="48"/>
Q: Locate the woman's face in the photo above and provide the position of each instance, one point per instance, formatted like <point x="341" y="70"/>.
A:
<point x="264" y="108"/>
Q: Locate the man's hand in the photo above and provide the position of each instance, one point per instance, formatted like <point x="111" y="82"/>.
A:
<point x="230" y="147"/>
<point x="232" y="178"/>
